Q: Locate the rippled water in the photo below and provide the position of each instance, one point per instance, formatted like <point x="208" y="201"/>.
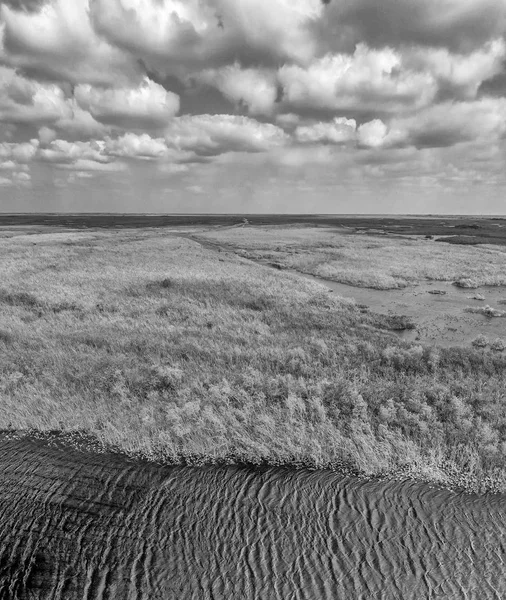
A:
<point x="75" y="525"/>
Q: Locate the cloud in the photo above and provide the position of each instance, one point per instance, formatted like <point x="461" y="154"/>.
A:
<point x="172" y="168"/>
<point x="27" y="101"/>
<point x="143" y="146"/>
<point x="334" y="91"/>
<point x="178" y="35"/>
<point x="254" y="88"/>
<point x="79" y="123"/>
<point x="83" y="164"/>
<point x="55" y="41"/>
<point x="459" y="74"/>
<point x="19" y="152"/>
<point x="459" y="25"/>
<point x="8" y="165"/>
<point x="211" y="135"/>
<point x="5" y="182"/>
<point x="196" y="189"/>
<point x="443" y="125"/>
<point x="62" y="151"/>
<point x="21" y="178"/>
<point x="372" y="134"/>
<point x="132" y="145"/>
<point x="338" y="131"/>
<point x="148" y="106"/>
<point x="46" y="135"/>
<point x="368" y="80"/>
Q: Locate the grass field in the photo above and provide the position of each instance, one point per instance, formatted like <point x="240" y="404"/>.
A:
<point x="175" y="352"/>
<point x="380" y="262"/>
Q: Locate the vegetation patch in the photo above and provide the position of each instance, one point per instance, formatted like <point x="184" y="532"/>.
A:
<point x="467" y="283"/>
<point x="487" y="311"/>
<point x="235" y="362"/>
<point x="372" y="261"/>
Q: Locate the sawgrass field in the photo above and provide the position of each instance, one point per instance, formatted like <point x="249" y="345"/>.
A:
<point x="167" y="349"/>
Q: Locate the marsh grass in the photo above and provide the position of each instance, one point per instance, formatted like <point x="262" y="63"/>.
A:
<point x="170" y="351"/>
<point x="380" y="262"/>
<point x="487" y="311"/>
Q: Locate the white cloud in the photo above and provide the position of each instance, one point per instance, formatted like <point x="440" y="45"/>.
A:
<point x="133" y="145"/>
<point x="173" y="168"/>
<point x="187" y="34"/>
<point x="450" y="123"/>
<point x="19" y="153"/>
<point x="5" y="182"/>
<point x="372" y="134"/>
<point x="46" y="135"/>
<point x="256" y="88"/>
<point x="338" y="131"/>
<point x="196" y="189"/>
<point x="83" y="164"/>
<point x="58" y="42"/>
<point x="368" y="80"/>
<point x="216" y="134"/>
<point x="79" y="123"/>
<point x="8" y="165"/>
<point x="61" y="151"/>
<point x="27" y="101"/>
<point x="462" y="72"/>
<point x="149" y="105"/>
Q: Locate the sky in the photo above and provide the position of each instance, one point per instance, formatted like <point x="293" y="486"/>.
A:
<point x="253" y="106"/>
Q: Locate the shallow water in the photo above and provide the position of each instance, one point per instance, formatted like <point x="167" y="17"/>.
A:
<point x="440" y="318"/>
<point x="89" y="526"/>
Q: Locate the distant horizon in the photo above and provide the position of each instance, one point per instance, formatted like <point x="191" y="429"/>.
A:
<point x="258" y="214"/>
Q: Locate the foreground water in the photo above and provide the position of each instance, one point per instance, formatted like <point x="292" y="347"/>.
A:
<point x="90" y="526"/>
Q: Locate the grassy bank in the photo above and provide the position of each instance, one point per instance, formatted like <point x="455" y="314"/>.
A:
<point x="380" y="262"/>
<point x="164" y="349"/>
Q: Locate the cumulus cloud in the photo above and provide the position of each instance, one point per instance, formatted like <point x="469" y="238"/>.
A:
<point x="61" y="151"/>
<point x="18" y="152"/>
<point x="254" y="88"/>
<point x="460" y="25"/>
<point x="367" y="80"/>
<point x="148" y="106"/>
<point x="27" y="101"/>
<point x="130" y="145"/>
<point x="80" y="123"/>
<point x="56" y="41"/>
<point x="46" y="135"/>
<point x="216" y="134"/>
<point x="372" y="134"/>
<point x="143" y="146"/>
<point x="90" y="86"/>
<point x="339" y="131"/>
<point x="188" y="34"/>
<point x="450" y="123"/>
<point x="460" y="74"/>
<point x="86" y="165"/>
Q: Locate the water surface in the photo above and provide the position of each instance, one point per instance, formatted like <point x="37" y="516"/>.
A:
<point x="90" y="526"/>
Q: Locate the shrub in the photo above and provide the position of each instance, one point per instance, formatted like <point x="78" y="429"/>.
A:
<point x="466" y="283"/>
<point x="487" y="311"/>
<point x="480" y="342"/>
<point x="477" y="297"/>
<point x="166" y="283"/>
<point x="498" y="345"/>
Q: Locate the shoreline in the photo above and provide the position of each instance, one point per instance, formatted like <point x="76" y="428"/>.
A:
<point x="453" y="480"/>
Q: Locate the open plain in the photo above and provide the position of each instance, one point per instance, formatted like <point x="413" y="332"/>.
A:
<point x="170" y="390"/>
<point x="183" y="344"/>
